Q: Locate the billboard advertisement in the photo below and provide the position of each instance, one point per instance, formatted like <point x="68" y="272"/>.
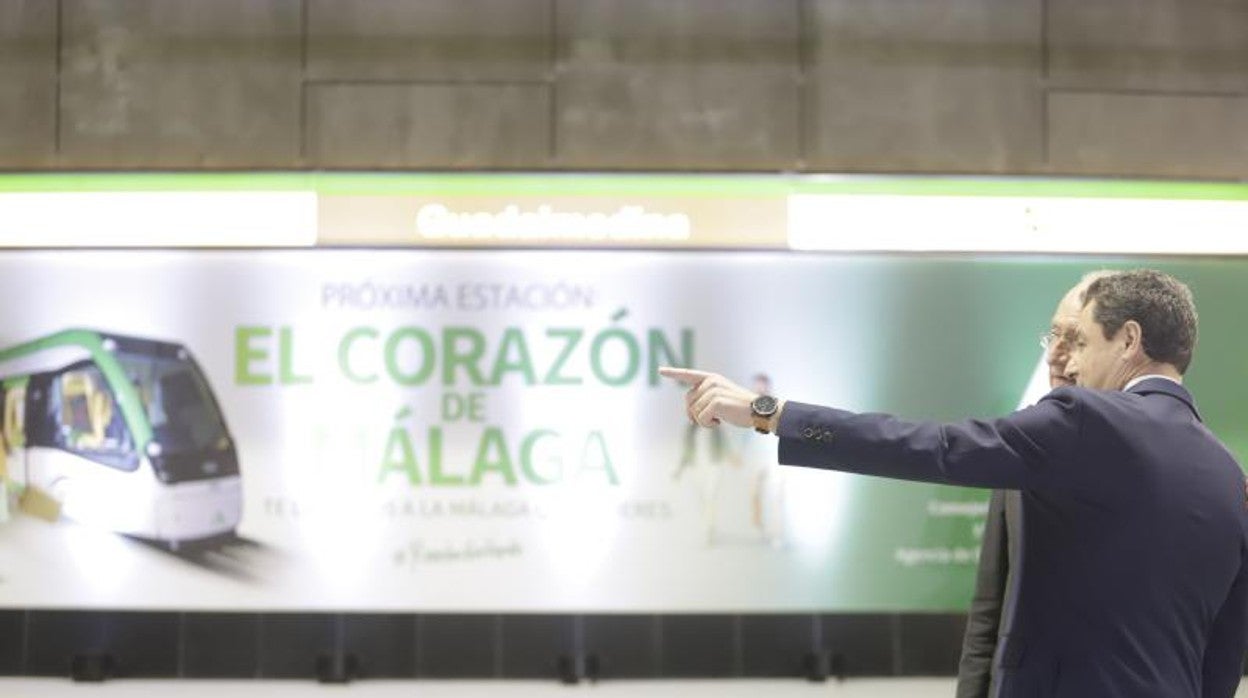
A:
<point x="485" y="430"/>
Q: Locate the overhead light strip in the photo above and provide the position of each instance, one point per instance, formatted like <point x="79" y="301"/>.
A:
<point x="886" y="223"/>
<point x="158" y="219"/>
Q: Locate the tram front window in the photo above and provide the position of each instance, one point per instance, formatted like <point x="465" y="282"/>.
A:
<point x="175" y="397"/>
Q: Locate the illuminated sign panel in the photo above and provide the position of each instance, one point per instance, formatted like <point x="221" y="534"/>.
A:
<point x="579" y="211"/>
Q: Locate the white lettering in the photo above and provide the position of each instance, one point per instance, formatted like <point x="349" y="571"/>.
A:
<point x="627" y="224"/>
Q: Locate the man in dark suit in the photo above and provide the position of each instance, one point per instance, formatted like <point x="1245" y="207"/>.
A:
<point x="1132" y="576"/>
<point x="999" y="548"/>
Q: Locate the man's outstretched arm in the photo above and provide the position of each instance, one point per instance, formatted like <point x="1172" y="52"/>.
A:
<point x="1030" y="448"/>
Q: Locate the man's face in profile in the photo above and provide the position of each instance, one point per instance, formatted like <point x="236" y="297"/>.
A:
<point x="1062" y="330"/>
<point x="1095" y="361"/>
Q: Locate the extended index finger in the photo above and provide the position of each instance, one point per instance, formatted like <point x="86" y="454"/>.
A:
<point x="688" y="376"/>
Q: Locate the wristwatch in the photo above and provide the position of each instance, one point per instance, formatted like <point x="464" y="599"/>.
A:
<point x="762" y="409"/>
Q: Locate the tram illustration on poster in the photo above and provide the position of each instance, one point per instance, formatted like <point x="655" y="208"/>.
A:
<point x="119" y="433"/>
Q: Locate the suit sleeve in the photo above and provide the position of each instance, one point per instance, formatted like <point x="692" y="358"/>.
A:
<point x="1029" y="449"/>
<point x="983" y="622"/>
<point x="1224" y="653"/>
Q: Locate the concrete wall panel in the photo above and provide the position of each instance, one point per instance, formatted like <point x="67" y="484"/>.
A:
<point x="916" y="85"/>
<point x="180" y="83"/>
<point x="429" y="126"/>
<point x="27" y="83"/>
<point x="429" y="40"/>
<point x="1152" y="135"/>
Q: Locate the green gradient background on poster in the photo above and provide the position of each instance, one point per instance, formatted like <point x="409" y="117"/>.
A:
<point x="958" y="338"/>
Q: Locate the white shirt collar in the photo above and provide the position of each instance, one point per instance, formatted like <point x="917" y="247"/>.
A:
<point x="1134" y="381"/>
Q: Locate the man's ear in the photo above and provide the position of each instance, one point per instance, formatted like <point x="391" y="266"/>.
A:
<point x="1132" y="337"/>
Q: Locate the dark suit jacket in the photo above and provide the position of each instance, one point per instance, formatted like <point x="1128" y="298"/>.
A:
<point x="998" y="555"/>
<point x="1132" y="575"/>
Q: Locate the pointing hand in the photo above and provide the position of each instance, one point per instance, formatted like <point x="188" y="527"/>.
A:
<point x="712" y="398"/>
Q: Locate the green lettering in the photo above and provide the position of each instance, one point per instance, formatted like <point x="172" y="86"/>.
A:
<point x="426" y="356"/>
<point x="513" y="339"/>
<point x="344" y="354"/>
<point x="470" y="357"/>
<point x="526" y="459"/>
<point x="285" y="362"/>
<point x="603" y="461"/>
<point x="400" y="457"/>
<point x="492" y="457"/>
<point x="631" y="361"/>
<point x="572" y="337"/>
<point x="245" y="353"/>
<point x="436" y="476"/>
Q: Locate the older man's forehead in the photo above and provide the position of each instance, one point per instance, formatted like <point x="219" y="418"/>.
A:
<point x="1070" y="304"/>
<point x="1064" y="319"/>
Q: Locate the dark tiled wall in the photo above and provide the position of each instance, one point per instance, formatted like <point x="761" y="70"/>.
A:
<point x="535" y="646"/>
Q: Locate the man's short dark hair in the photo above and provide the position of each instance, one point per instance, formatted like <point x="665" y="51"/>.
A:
<point x="1161" y="304"/>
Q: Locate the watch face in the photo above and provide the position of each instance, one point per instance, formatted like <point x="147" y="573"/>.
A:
<point x="764" y="405"/>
